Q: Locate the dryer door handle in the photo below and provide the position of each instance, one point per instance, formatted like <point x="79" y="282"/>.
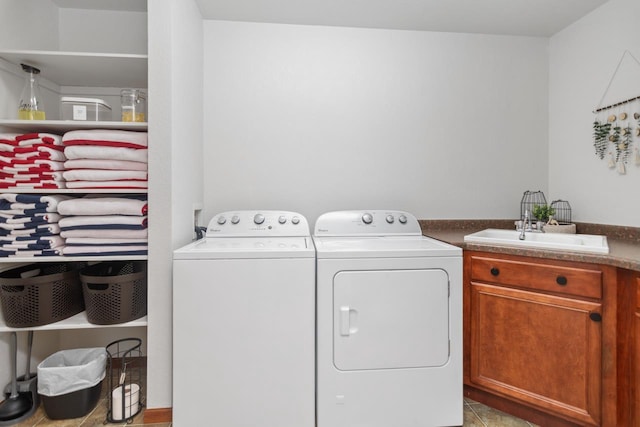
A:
<point x="348" y="317"/>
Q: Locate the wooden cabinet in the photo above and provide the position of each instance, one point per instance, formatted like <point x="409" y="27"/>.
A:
<point x="635" y="372"/>
<point x="536" y="337"/>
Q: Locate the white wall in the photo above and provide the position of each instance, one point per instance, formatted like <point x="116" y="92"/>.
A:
<point x="42" y="34"/>
<point x="175" y="168"/>
<point x="83" y="30"/>
<point x="313" y="119"/>
<point x="583" y="58"/>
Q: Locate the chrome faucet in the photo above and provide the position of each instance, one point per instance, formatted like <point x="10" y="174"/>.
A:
<point x="526" y="225"/>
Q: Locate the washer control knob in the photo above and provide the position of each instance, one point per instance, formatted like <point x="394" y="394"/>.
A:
<point x="295" y="220"/>
<point x="258" y="219"/>
<point x="282" y="219"/>
<point x="367" y="218"/>
<point x="221" y="220"/>
<point x="235" y="219"/>
<point x="402" y="219"/>
<point x="390" y="219"/>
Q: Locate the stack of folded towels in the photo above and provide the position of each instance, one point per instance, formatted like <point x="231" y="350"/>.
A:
<point x="100" y="225"/>
<point x="32" y="160"/>
<point x="29" y="225"/>
<point x="99" y="158"/>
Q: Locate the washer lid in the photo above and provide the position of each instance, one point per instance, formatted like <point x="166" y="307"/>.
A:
<point x="247" y="248"/>
<point x="383" y="247"/>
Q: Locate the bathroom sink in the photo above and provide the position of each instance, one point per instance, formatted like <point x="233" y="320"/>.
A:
<point x="563" y="242"/>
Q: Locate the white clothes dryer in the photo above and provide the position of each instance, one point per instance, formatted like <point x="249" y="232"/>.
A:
<point x="244" y="323"/>
<point x="389" y="323"/>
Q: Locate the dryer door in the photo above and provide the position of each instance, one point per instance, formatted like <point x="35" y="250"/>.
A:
<point x="387" y="319"/>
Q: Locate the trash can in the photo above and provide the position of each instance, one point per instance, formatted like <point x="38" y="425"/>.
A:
<point x="70" y="382"/>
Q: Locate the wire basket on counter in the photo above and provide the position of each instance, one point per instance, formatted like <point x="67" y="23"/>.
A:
<point x="562" y="211"/>
<point x="530" y="199"/>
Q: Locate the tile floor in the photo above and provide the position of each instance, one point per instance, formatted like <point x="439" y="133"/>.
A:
<point x="479" y="415"/>
<point x="475" y="415"/>
<point x="95" y="418"/>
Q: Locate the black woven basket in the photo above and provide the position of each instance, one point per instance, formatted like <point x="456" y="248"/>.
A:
<point x="115" y="292"/>
<point x="39" y="294"/>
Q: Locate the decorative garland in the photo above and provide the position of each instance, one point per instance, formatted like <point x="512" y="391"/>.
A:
<point x="616" y="132"/>
<point x="614" y="137"/>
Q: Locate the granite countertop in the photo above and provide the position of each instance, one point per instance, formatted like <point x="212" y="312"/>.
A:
<point x="624" y="242"/>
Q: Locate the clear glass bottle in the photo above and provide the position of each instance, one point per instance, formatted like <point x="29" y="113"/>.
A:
<point x="134" y="105"/>
<point x="30" y="107"/>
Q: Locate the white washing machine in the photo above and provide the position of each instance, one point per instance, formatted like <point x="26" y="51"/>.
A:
<point x="244" y="323"/>
<point x="389" y="323"/>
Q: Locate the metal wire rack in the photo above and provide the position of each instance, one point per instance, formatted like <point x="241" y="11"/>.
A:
<point x="562" y="210"/>
<point x="530" y="199"/>
<point x="125" y="365"/>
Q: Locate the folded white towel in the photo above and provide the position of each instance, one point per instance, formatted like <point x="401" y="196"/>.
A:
<point x="105" y="153"/>
<point x="53" y="154"/>
<point x="52" y="243"/>
<point x="103" y="221"/>
<point x="44" y="184"/>
<point x="48" y="218"/>
<point x="38" y="138"/>
<point x="41" y="229"/>
<point x="122" y="184"/>
<point x="50" y="164"/>
<point x="91" y="241"/>
<point x="51" y="200"/>
<point x="35" y="253"/>
<point x="106" y="233"/>
<point x="105" y="164"/>
<point x="103" y="175"/>
<point x="103" y="206"/>
<point x="9" y="137"/>
<point x="102" y="250"/>
<point x="106" y="137"/>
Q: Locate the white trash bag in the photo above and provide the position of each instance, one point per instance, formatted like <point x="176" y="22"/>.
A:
<point x="71" y="370"/>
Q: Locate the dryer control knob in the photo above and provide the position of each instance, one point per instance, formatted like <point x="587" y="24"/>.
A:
<point x="295" y="220"/>
<point x="221" y="220"/>
<point x="390" y="219"/>
<point x="235" y="219"/>
<point x="258" y="219"/>
<point x="282" y="219"/>
<point x="367" y="218"/>
<point x="402" y="219"/>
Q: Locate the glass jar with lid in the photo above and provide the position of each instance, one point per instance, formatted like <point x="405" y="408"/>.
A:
<point x="134" y="105"/>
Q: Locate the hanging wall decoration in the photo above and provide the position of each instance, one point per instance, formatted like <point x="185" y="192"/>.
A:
<point x="616" y="128"/>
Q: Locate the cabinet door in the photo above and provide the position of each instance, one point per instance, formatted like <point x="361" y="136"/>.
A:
<point x="635" y="369"/>
<point x="538" y="349"/>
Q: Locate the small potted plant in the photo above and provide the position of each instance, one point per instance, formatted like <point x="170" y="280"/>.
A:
<point x="544" y="214"/>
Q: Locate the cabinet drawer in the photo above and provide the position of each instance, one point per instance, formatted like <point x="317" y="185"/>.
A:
<point x="638" y="294"/>
<point x="545" y="277"/>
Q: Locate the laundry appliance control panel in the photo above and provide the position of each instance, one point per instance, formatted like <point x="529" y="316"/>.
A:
<point x="258" y="223"/>
<point x="367" y="222"/>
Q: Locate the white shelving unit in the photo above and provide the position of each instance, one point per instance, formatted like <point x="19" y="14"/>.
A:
<point x="85" y="68"/>
<point x="68" y="70"/>
<point x="61" y="126"/>
<point x="79" y="321"/>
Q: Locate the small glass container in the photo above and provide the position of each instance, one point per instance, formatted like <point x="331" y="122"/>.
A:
<point x="134" y="105"/>
<point x="30" y="107"/>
